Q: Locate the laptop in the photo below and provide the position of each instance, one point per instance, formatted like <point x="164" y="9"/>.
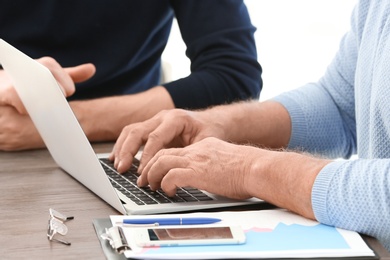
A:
<point x="71" y="150"/>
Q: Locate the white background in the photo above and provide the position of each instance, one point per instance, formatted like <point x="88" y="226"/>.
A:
<point x="296" y="40"/>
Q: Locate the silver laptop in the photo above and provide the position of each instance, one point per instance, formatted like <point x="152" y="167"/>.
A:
<point x="71" y="150"/>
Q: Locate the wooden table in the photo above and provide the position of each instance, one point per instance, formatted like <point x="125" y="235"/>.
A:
<point x="30" y="184"/>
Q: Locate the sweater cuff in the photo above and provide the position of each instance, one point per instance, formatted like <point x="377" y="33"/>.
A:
<point x="299" y="127"/>
<point x="320" y="192"/>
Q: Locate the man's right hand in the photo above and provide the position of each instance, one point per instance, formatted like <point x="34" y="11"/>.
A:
<point x="169" y="128"/>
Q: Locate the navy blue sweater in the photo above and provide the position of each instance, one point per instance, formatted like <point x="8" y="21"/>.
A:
<point x="125" y="39"/>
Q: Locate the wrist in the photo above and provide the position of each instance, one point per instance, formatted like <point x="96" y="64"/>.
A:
<point x="103" y="119"/>
<point x="150" y="102"/>
<point x="285" y="179"/>
<point x="95" y="120"/>
<point x="228" y="120"/>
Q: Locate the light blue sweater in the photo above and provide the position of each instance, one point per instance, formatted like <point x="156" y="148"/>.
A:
<point x="348" y="112"/>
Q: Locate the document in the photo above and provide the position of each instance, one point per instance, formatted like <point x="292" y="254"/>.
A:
<point x="275" y="233"/>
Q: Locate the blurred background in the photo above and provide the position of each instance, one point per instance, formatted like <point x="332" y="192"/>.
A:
<point x="296" y="41"/>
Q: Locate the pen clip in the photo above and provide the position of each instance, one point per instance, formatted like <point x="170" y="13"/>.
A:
<point x="137" y="225"/>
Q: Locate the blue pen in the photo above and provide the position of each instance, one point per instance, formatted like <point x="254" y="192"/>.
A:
<point x="170" y="221"/>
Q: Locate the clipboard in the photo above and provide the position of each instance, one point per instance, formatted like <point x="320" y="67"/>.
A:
<point x="101" y="225"/>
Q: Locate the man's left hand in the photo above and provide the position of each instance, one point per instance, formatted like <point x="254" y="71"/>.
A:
<point x="17" y="131"/>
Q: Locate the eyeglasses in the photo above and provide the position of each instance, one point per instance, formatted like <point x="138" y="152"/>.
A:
<point x="57" y="226"/>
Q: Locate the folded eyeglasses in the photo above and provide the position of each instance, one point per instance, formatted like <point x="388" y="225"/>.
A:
<point x="57" y="226"/>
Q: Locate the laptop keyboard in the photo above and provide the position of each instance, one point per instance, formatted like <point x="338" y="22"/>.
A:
<point x="126" y="183"/>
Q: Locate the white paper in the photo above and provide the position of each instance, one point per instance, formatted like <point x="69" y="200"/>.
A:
<point x="269" y="234"/>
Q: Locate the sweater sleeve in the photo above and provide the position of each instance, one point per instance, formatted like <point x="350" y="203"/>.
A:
<point x="355" y="195"/>
<point x="220" y="44"/>
<point x="351" y="194"/>
<point x="323" y="113"/>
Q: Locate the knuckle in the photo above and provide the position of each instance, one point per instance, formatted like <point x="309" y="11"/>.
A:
<point x="178" y="116"/>
<point x="159" y="154"/>
<point x="154" y="136"/>
<point x="47" y="61"/>
<point x="132" y="130"/>
<point x="168" y="189"/>
<point x="210" y="139"/>
<point x="163" y="112"/>
<point x="123" y="154"/>
<point x="168" y="114"/>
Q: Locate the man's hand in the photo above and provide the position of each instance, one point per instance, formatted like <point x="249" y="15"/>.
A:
<point x="66" y="77"/>
<point x="284" y="179"/>
<point x="211" y="164"/>
<point x="17" y="131"/>
<point x="169" y="128"/>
